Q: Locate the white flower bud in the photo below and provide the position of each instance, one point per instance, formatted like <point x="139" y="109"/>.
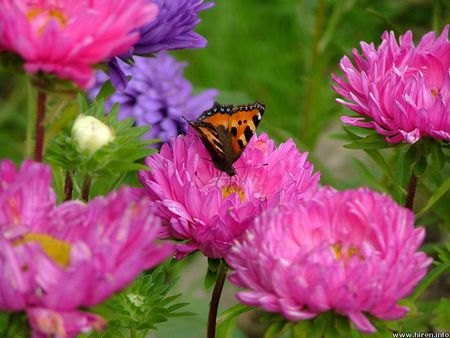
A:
<point x="90" y="133"/>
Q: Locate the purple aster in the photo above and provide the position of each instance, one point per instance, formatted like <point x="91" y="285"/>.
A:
<point x="172" y="29"/>
<point x="158" y="95"/>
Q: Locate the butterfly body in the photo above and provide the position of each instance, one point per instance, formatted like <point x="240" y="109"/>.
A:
<point x="225" y="131"/>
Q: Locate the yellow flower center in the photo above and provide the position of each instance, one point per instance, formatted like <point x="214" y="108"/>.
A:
<point x="56" y="249"/>
<point x="341" y="253"/>
<point x="227" y="191"/>
<point x="42" y="16"/>
<point x="434" y="92"/>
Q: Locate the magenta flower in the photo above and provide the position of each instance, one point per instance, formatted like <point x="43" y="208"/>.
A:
<point x="354" y="252"/>
<point x="402" y="91"/>
<point x="207" y="208"/>
<point x="55" y="260"/>
<point x="67" y="38"/>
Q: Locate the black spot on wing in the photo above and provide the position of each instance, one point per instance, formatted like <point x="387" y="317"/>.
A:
<point x="234" y="131"/>
<point x="241" y="144"/>
<point x="248" y="133"/>
<point x="256" y="120"/>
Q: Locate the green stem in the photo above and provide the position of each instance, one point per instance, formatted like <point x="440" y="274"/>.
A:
<point x="436" y="16"/>
<point x="311" y="86"/>
<point x="85" y="190"/>
<point x="133" y="333"/>
<point x="30" y="121"/>
<point x="40" y="127"/>
<point x="215" y="299"/>
<point x="411" y="191"/>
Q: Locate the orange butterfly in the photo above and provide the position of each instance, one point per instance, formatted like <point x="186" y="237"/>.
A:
<point x="226" y="130"/>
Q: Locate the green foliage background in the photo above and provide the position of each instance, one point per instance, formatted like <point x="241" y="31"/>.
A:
<point x="281" y="52"/>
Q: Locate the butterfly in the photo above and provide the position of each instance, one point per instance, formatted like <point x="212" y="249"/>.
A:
<point x="225" y="131"/>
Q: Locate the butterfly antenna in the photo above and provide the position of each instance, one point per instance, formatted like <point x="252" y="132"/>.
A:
<point x="239" y="178"/>
<point x="221" y="172"/>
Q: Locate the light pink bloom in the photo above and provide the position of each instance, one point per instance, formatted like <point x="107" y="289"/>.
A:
<point x="354" y="252"/>
<point x="402" y="91"/>
<point x="67" y="38"/>
<point x="209" y="209"/>
<point x="56" y="259"/>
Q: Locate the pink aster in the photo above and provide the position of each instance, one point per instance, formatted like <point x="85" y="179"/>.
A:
<point x="209" y="209"/>
<point x="354" y="252"/>
<point x="55" y="261"/>
<point x="67" y="38"/>
<point x="401" y="90"/>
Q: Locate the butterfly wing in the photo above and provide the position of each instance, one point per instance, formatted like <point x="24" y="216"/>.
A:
<point x="226" y="130"/>
<point x="211" y="140"/>
<point x="243" y="123"/>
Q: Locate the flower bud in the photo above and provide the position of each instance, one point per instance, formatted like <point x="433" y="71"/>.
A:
<point x="90" y="133"/>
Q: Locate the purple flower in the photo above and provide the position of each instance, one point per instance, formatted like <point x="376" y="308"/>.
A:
<point x="158" y="95"/>
<point x="172" y="29"/>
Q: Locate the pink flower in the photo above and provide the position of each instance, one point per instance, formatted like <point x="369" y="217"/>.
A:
<point x="402" y="91"/>
<point x="67" y="38"/>
<point x="353" y="252"/>
<point x="207" y="208"/>
<point x="56" y="259"/>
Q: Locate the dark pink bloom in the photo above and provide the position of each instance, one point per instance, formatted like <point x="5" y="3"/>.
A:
<point x="401" y="90"/>
<point x="209" y="209"/>
<point x="67" y="38"/>
<point x="55" y="260"/>
<point x="354" y="252"/>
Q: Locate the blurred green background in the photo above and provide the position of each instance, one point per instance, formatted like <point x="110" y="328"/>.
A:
<point x="281" y="53"/>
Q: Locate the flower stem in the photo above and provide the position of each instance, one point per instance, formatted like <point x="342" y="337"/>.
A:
<point x="40" y="127"/>
<point x="68" y="186"/>
<point x="215" y="299"/>
<point x="85" y="190"/>
<point x="411" y="191"/>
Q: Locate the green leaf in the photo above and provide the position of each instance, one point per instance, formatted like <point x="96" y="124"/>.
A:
<point x="441" y="315"/>
<point x="429" y="278"/>
<point x="277" y="329"/>
<point x="411" y="154"/>
<point x="210" y="278"/>
<point x="420" y="166"/>
<point x="233" y="312"/>
<point x="378" y="159"/>
<point x="402" y="173"/>
<point x="438" y="193"/>
<point x="367" y="175"/>
<point x="106" y="91"/>
<point x="211" y="273"/>
<point x="437" y="156"/>
<point x="226" y="328"/>
<point x="302" y="329"/>
<point x="342" y="325"/>
<point x="142" y="305"/>
<point x="213" y="264"/>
